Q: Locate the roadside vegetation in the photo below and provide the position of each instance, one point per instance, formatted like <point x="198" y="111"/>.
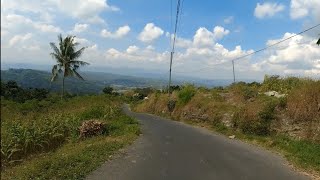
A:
<point x="41" y="138"/>
<point x="280" y="113"/>
<point x="44" y="136"/>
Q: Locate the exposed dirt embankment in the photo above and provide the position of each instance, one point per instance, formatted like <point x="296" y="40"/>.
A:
<point x="288" y="123"/>
<point x="246" y="108"/>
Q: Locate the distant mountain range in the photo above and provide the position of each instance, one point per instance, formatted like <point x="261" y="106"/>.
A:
<point x="96" y="81"/>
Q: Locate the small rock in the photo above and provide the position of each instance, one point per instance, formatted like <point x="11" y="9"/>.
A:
<point x="232" y="137"/>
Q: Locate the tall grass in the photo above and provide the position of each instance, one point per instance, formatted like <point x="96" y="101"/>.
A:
<point x="304" y="102"/>
<point x="35" y="130"/>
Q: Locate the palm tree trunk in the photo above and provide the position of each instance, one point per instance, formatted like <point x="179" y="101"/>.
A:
<point x="62" y="94"/>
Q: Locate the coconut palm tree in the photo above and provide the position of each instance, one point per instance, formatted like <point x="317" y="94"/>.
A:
<point x="67" y="58"/>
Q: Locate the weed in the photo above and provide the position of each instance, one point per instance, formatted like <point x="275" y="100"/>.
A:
<point x="186" y="94"/>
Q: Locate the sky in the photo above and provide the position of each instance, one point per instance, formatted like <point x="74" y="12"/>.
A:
<point x="136" y="35"/>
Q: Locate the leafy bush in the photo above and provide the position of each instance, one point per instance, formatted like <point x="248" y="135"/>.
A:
<point x="267" y="113"/>
<point x="282" y="102"/>
<point x="12" y="91"/>
<point x="282" y="85"/>
<point x="253" y="119"/>
<point x="93" y="113"/>
<point x="174" y="88"/>
<point x="144" y="91"/>
<point x="186" y="94"/>
<point x="107" y="90"/>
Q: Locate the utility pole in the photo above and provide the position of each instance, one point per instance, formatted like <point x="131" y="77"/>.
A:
<point x="234" y="76"/>
<point x="171" y="56"/>
<point x="171" y="103"/>
<point x="173" y="47"/>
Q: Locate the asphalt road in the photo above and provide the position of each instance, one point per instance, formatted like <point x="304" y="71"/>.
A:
<point x="173" y="150"/>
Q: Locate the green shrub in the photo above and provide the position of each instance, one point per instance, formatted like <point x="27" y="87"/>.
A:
<point x="107" y="90"/>
<point x="282" y="85"/>
<point x="93" y="113"/>
<point x="282" y="102"/>
<point x="251" y="120"/>
<point x="267" y="113"/>
<point x="249" y="92"/>
<point x="186" y="94"/>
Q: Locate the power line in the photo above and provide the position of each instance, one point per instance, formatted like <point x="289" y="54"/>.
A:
<point x="257" y="51"/>
<point x="170" y="40"/>
<point x="276" y="43"/>
<point x="173" y="45"/>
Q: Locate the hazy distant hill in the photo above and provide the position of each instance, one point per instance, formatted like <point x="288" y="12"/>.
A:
<point x="94" y="81"/>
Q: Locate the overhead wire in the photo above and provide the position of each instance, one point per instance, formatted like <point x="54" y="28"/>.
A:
<point x="173" y="44"/>
<point x="254" y="52"/>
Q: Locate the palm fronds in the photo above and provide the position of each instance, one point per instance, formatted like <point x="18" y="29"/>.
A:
<point x="66" y="56"/>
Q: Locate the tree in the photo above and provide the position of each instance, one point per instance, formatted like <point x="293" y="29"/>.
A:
<point x="107" y="90"/>
<point x="67" y="58"/>
<point x="318" y="42"/>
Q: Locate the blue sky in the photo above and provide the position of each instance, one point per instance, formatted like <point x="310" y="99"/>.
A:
<point x="135" y="34"/>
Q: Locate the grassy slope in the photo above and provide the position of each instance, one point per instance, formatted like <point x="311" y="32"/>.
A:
<point x="73" y="158"/>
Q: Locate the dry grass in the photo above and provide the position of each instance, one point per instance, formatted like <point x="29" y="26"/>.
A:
<point x="255" y="115"/>
<point x="304" y="102"/>
<point x="303" y="107"/>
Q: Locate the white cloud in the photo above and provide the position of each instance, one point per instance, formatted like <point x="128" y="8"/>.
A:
<point x="195" y="54"/>
<point x="137" y="55"/>
<point x="42" y="9"/>
<point x="19" y="38"/>
<point x="132" y="49"/>
<point x="120" y="32"/>
<point x="267" y="9"/>
<point x="303" y="8"/>
<point x="150" y="48"/>
<point x="180" y="42"/>
<point x="219" y="32"/>
<point x="228" y="20"/>
<point x="299" y="56"/>
<point x="78" y="28"/>
<point x="33" y="47"/>
<point x="4" y="33"/>
<point x="183" y="43"/>
<point x="204" y="37"/>
<point x="15" y="22"/>
<point x="85" y="9"/>
<point x="150" y="33"/>
<point x="47" y="28"/>
<point x="82" y="41"/>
